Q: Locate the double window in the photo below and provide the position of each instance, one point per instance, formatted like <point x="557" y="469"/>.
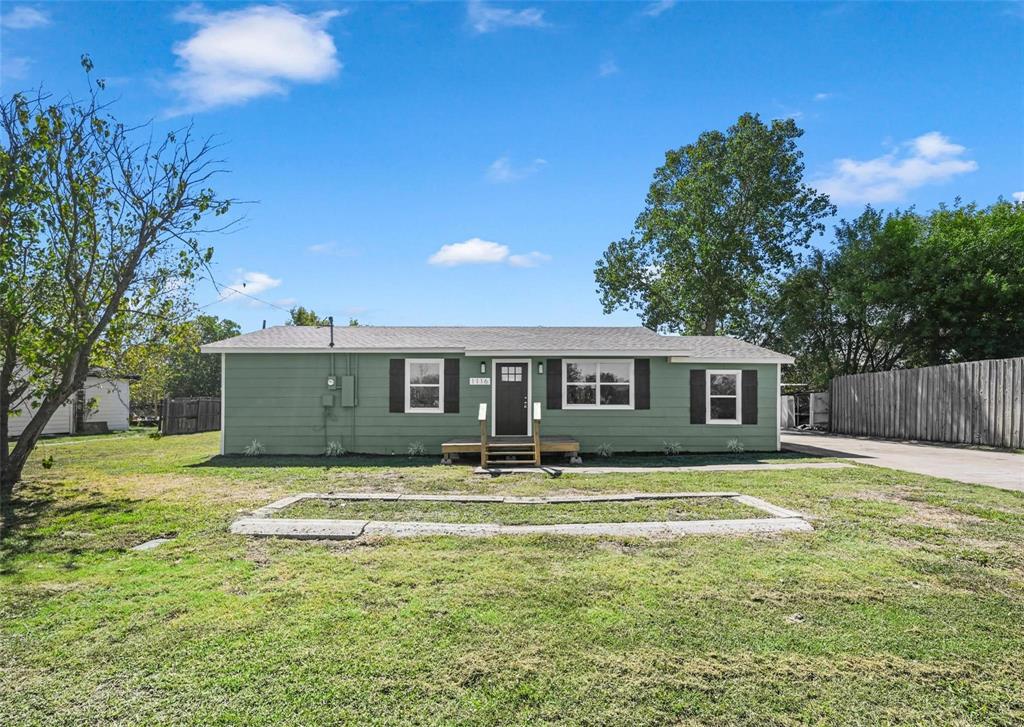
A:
<point x="723" y="398"/>
<point x="424" y="385"/>
<point x="592" y="384"/>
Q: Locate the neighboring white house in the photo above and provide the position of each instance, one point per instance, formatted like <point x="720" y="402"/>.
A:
<point x="109" y="404"/>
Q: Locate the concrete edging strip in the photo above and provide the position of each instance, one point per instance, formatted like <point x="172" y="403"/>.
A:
<point x="610" y="470"/>
<point x="625" y="530"/>
<point x="262" y="523"/>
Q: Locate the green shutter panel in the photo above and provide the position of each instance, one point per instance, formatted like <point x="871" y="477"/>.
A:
<point x="642" y="392"/>
<point x="396" y="386"/>
<point x="451" y="386"/>
<point x="698" y="396"/>
<point x="554" y="383"/>
<point x="749" y="390"/>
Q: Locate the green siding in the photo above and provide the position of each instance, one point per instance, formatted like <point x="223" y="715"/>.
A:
<point x="276" y="399"/>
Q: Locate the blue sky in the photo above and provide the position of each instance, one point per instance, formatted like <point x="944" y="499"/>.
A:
<point x="466" y="163"/>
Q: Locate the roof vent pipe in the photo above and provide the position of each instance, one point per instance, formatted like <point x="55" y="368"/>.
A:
<point x="330" y="319"/>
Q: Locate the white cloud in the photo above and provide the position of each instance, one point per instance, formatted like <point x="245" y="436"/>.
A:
<point x="470" y="252"/>
<point x="502" y="170"/>
<point x="1018" y="197"/>
<point x="934" y="145"/>
<point x="248" y="283"/>
<point x="823" y="96"/>
<point x="484" y="18"/>
<point x="657" y="8"/>
<point x="483" y="252"/>
<point x="238" y="55"/>
<point x="529" y="260"/>
<point x="928" y="159"/>
<point x="608" y="68"/>
<point x="24" y="18"/>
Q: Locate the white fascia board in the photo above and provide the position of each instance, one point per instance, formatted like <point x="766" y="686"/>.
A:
<point x="631" y="353"/>
<point x="214" y="348"/>
<point x="780" y="359"/>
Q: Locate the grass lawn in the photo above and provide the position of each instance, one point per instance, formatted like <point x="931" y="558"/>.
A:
<point x="689" y="508"/>
<point x="905" y="606"/>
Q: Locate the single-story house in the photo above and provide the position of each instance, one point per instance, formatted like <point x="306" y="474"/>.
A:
<point x="376" y="389"/>
<point x="101" y="405"/>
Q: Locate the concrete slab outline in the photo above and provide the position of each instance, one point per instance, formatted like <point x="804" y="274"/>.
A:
<point x="262" y="522"/>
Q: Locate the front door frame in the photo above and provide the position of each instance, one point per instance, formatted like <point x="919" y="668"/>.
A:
<point x="529" y="392"/>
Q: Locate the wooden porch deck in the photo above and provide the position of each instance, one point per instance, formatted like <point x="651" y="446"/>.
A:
<point x="555" y="443"/>
<point x="510" y="450"/>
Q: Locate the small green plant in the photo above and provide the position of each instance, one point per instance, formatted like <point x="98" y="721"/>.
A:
<point x="47" y="462"/>
<point x="334" y="449"/>
<point x="672" y="448"/>
<point x="605" y="450"/>
<point x="416" y="449"/>
<point x="155" y="434"/>
<point x="254" y="449"/>
<point x="735" y="446"/>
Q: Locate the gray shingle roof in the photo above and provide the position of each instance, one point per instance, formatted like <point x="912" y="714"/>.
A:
<point x="494" y="340"/>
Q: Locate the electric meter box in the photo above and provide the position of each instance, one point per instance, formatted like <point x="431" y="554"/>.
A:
<point x="348" y="390"/>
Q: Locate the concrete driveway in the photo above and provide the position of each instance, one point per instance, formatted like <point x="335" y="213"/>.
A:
<point x="980" y="467"/>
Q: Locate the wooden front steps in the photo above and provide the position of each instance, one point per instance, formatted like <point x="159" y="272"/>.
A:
<point x="510" y="450"/>
<point x="501" y="446"/>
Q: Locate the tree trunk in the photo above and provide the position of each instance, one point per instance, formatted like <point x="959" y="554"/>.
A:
<point x="14" y="463"/>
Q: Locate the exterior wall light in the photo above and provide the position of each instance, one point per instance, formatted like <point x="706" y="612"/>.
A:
<point x="483" y="367"/>
<point x="540" y="367"/>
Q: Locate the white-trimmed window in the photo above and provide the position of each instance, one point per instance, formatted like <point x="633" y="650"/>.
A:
<point x="424" y="385"/>
<point x="723" y="397"/>
<point x="593" y="384"/>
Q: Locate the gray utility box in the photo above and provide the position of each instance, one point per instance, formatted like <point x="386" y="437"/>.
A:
<point x="348" y="390"/>
<point x="327" y="399"/>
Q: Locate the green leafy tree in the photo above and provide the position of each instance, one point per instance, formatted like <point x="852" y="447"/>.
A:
<point x="172" y="365"/>
<point x="299" y="316"/>
<point x="904" y="289"/>
<point x="193" y="373"/>
<point x="851" y="310"/>
<point x="723" y="218"/>
<point x="970" y="284"/>
<point x="104" y="241"/>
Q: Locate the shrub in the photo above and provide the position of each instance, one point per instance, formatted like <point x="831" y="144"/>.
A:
<point x="416" y="449"/>
<point x="334" y="449"/>
<point x="47" y="462"/>
<point x="605" y="450"/>
<point x="254" y="449"/>
<point x="672" y="448"/>
<point x="735" y="446"/>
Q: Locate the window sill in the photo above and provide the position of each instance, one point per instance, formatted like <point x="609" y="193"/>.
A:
<point x="597" y="407"/>
<point x="725" y="422"/>
<point x="424" y="411"/>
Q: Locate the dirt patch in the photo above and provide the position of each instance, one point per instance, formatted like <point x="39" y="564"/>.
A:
<point x="922" y="513"/>
<point x="256" y="553"/>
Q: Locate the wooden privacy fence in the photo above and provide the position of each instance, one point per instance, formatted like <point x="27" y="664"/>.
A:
<point x="190" y="415"/>
<point x="978" y="402"/>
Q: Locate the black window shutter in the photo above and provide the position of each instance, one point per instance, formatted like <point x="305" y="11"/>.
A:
<point x="554" y="383"/>
<point x="698" y="396"/>
<point x="749" y="397"/>
<point x="451" y="386"/>
<point x="396" y="386"/>
<point x="642" y="394"/>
